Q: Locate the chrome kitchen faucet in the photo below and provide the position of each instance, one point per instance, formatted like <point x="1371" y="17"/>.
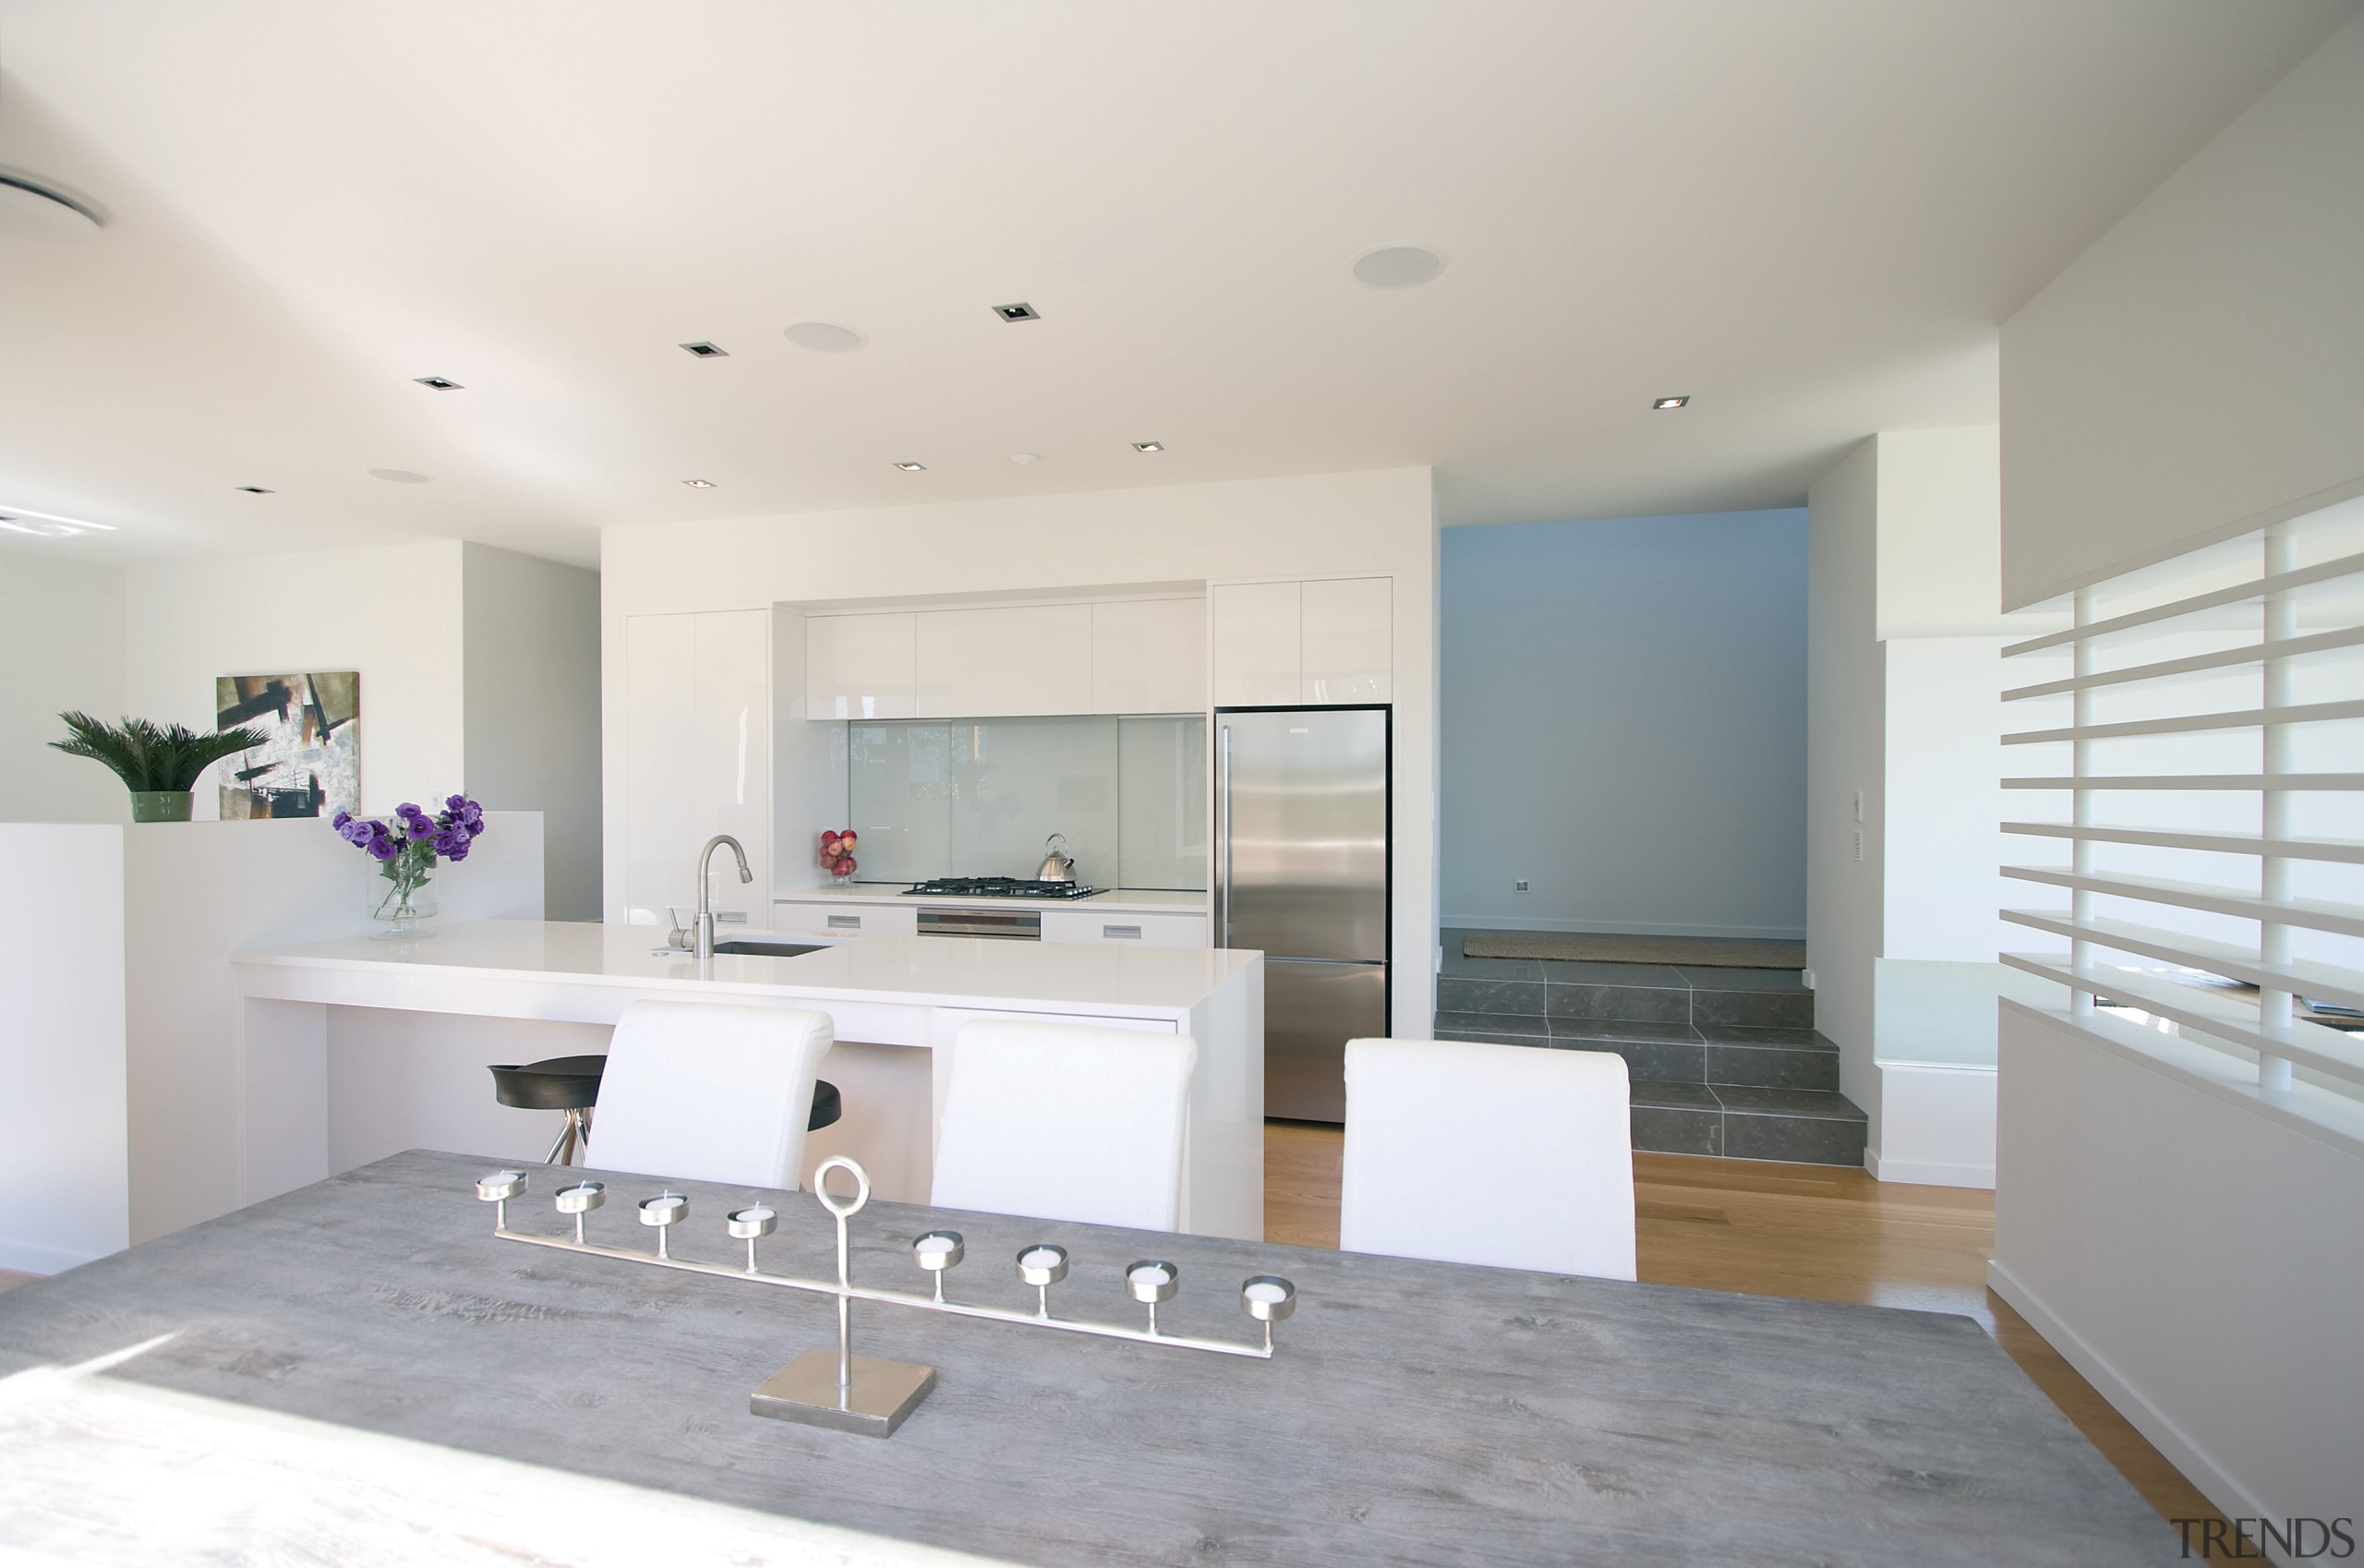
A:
<point x="706" y="891"/>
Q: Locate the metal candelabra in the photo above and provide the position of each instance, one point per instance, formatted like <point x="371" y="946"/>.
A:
<point x="862" y="1393"/>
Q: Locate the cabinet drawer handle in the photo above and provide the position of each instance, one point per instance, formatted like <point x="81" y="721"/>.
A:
<point x="845" y="922"/>
<point x="1120" y="934"/>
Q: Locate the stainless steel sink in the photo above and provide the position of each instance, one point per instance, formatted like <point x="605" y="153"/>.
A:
<point x="769" y="949"/>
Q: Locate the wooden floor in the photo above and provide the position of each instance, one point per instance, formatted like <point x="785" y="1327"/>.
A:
<point x="1822" y="1232"/>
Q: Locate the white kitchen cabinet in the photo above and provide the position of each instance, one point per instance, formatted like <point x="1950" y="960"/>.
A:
<point x="1181" y="929"/>
<point x="1256" y="629"/>
<point x="697" y="758"/>
<point x="1002" y="661"/>
<point x="1346" y="635"/>
<point x="1149" y="656"/>
<point x="861" y="666"/>
<point x="840" y="917"/>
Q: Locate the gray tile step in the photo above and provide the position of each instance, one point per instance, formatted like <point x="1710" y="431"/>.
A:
<point x="1792" y="1125"/>
<point x="1673" y="1053"/>
<point x="1627" y="993"/>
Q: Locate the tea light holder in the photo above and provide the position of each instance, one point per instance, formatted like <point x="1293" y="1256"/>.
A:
<point x="1043" y="1266"/>
<point x="1268" y="1299"/>
<point x="579" y="1200"/>
<point x="664" y="1211"/>
<point x="496" y="1189"/>
<point x="862" y="1393"/>
<point x="1153" y="1281"/>
<point x="854" y="1394"/>
<point x="936" y="1251"/>
<point x="750" y="1224"/>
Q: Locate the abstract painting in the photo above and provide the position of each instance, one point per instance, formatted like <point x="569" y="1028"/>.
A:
<point x="311" y="764"/>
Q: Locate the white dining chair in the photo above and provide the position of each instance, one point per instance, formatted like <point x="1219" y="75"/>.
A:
<point x="1066" y="1122"/>
<point x="1517" y="1156"/>
<point x="709" y="1092"/>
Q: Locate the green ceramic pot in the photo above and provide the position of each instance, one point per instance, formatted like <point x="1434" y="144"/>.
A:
<point x="160" y="805"/>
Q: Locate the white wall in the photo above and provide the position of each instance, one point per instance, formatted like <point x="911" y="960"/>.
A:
<point x="1906" y="679"/>
<point x="393" y="614"/>
<point x="61" y="643"/>
<point x="2193" y="375"/>
<point x="1625" y="725"/>
<point x="2187" y="1240"/>
<point x="1378" y="522"/>
<point x="531" y="684"/>
<point x="1846" y="758"/>
<point x="1943" y="799"/>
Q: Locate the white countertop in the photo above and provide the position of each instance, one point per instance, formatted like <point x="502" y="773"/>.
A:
<point x="933" y="970"/>
<point x="1114" y="901"/>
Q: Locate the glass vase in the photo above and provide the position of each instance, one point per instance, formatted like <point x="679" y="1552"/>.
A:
<point x="403" y="910"/>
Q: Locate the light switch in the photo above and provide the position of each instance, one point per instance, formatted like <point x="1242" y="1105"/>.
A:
<point x="1519" y="887"/>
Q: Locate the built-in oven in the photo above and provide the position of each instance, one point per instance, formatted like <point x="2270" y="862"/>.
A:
<point x="1010" y="925"/>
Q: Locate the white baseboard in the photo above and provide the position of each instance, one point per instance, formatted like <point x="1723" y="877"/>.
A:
<point x="1928" y="1173"/>
<point x="2234" y="1499"/>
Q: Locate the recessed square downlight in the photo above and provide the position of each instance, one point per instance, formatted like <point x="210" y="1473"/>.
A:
<point x="1021" y="311"/>
<point x="438" y="384"/>
<point x="706" y="351"/>
<point x="1672" y="402"/>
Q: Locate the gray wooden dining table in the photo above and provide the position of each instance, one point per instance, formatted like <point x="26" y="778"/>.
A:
<point x="1414" y="1412"/>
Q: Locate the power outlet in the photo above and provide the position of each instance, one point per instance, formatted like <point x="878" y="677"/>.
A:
<point x="1859" y="811"/>
<point x="1859" y="843"/>
<point x="1520" y="885"/>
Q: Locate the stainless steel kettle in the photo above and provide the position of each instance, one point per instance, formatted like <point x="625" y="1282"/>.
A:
<point x="1056" y="866"/>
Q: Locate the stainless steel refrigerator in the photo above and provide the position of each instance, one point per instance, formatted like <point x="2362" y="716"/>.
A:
<point x="1302" y="873"/>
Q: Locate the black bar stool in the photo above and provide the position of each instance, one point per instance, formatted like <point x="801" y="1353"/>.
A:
<point x="572" y="1084"/>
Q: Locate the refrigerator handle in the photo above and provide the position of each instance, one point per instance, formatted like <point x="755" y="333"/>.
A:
<point x="1223" y="834"/>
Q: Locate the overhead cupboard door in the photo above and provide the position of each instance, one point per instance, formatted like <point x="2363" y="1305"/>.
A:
<point x="1022" y="661"/>
<point x="1347" y="639"/>
<point x="861" y="666"/>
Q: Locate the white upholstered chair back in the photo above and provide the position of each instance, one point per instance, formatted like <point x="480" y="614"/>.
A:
<point x="709" y="1092"/>
<point x="1514" y="1155"/>
<point x="1066" y="1122"/>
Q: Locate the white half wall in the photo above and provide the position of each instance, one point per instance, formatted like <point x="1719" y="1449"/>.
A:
<point x="2189" y="1246"/>
<point x="61" y="643"/>
<point x="2193" y="375"/>
<point x="393" y="614"/>
<point x="530" y="693"/>
<point x="64" y="1160"/>
<point x="1625" y="725"/>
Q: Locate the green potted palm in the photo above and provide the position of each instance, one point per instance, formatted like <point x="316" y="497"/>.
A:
<point x="158" y="763"/>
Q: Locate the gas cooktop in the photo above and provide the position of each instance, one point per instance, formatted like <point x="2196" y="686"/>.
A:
<point x="998" y="887"/>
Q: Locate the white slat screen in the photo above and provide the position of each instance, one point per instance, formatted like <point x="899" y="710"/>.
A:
<point x="2193" y="789"/>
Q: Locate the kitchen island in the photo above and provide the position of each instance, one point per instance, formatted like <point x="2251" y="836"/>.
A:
<point x="354" y="1049"/>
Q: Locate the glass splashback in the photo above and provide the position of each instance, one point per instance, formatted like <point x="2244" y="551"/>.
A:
<point x="934" y="798"/>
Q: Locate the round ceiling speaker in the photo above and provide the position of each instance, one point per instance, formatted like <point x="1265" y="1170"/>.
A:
<point x="1398" y="265"/>
<point x="30" y="210"/>
<point x="826" y="336"/>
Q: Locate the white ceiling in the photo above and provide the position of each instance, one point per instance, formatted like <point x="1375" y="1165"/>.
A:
<point x="1810" y="216"/>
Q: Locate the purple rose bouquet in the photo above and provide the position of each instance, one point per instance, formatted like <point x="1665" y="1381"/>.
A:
<point x="406" y="850"/>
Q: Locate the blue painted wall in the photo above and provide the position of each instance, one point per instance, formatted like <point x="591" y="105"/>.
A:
<point x="1625" y="725"/>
